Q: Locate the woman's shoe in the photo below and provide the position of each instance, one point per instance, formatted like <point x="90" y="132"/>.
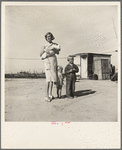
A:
<point x="51" y="96"/>
<point x="47" y="99"/>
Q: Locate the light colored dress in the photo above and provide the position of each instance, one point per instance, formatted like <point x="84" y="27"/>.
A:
<point x="60" y="80"/>
<point x="50" y="63"/>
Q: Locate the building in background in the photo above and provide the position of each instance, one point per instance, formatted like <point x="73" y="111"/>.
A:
<point x="93" y="64"/>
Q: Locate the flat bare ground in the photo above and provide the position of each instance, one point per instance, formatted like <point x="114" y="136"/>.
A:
<point x="96" y="101"/>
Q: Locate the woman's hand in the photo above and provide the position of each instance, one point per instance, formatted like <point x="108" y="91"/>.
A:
<point x="41" y="53"/>
<point x="47" y="55"/>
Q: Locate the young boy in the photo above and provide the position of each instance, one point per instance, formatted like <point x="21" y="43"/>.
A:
<point x="70" y="71"/>
<point x="59" y="81"/>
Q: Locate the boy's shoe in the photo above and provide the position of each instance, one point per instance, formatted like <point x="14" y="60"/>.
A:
<point x="74" y="96"/>
<point x="60" y="97"/>
<point x="70" y="97"/>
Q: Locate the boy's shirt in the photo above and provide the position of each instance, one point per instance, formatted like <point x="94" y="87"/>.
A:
<point x="69" y="67"/>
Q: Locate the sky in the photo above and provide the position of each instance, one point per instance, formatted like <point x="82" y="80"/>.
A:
<point x="77" y="28"/>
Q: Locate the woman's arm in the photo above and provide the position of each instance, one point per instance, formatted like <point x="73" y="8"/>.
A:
<point x="50" y="51"/>
<point x="56" y="50"/>
<point x="55" y="47"/>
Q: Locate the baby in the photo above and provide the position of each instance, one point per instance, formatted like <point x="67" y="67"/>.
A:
<point x="48" y="51"/>
<point x="59" y="81"/>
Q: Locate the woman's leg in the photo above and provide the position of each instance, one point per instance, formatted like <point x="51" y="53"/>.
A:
<point x="51" y="87"/>
<point x="47" y="89"/>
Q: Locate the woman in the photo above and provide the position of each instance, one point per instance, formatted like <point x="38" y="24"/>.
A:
<point x="48" y="55"/>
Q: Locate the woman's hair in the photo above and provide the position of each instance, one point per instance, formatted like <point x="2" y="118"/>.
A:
<point x="52" y="37"/>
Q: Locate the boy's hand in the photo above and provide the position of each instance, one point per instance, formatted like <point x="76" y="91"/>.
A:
<point x="73" y="69"/>
<point x="70" y="70"/>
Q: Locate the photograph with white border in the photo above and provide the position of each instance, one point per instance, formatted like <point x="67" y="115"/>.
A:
<point x="60" y="75"/>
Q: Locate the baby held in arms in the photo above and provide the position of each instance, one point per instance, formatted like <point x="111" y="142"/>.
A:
<point x="50" y="50"/>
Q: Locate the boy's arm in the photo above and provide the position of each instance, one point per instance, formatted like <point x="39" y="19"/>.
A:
<point x="61" y="79"/>
<point x="76" y="69"/>
<point x="67" y="70"/>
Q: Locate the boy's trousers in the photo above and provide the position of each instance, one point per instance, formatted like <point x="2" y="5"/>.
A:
<point x="70" y="85"/>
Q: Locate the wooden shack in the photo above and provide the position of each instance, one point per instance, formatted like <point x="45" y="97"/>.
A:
<point x="93" y="63"/>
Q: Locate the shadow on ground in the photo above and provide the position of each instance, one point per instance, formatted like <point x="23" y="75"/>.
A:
<point x="84" y="92"/>
<point x="81" y="93"/>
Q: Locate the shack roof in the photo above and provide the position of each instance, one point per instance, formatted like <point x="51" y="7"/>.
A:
<point x="85" y="54"/>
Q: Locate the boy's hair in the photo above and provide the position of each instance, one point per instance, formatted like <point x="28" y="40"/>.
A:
<point x="59" y="67"/>
<point x="70" y="57"/>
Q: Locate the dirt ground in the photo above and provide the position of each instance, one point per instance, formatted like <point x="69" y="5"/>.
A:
<point x="96" y="101"/>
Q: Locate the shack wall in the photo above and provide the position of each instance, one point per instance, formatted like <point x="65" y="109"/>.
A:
<point x="98" y="65"/>
<point x="84" y="67"/>
<point x="77" y="61"/>
<point x="90" y="65"/>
